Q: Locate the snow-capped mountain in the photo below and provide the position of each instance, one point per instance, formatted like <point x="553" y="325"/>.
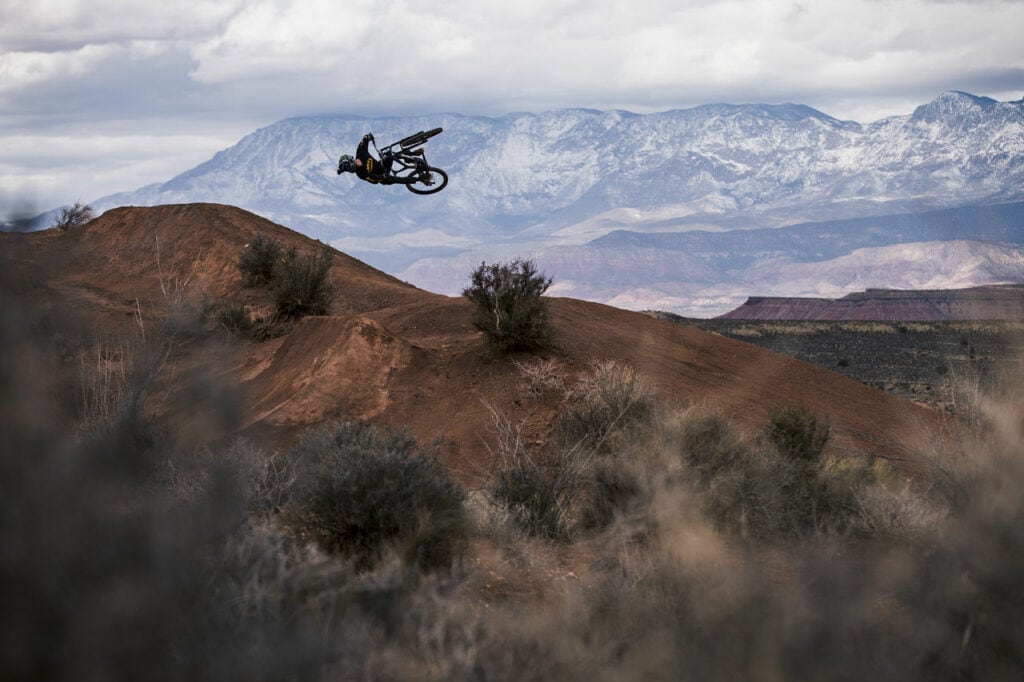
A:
<point x="561" y="183"/>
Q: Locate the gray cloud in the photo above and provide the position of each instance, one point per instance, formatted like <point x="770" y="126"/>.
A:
<point x="62" y="25"/>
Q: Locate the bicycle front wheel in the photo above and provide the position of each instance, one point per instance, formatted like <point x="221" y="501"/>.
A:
<point x="429" y="181"/>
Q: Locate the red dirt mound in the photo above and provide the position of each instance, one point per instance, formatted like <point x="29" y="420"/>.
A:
<point x="403" y="357"/>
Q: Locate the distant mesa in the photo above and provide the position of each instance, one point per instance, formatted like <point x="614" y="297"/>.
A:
<point x="996" y="302"/>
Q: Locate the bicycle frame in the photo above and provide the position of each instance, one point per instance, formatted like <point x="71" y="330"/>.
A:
<point x="407" y="163"/>
<point x="405" y="151"/>
<point x="402" y="159"/>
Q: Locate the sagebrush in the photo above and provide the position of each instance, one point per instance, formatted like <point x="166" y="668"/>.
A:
<point x="509" y="304"/>
<point x="609" y="400"/>
<point x="360" y="492"/>
<point x="301" y="285"/>
<point x="259" y="259"/>
<point x="234" y="319"/>
<point x="76" y="215"/>
<point x="798" y="433"/>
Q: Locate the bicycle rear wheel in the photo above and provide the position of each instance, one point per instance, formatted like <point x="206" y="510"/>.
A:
<point x="438" y="181"/>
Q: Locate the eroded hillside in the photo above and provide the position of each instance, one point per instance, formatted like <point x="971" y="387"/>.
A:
<point x="393" y="354"/>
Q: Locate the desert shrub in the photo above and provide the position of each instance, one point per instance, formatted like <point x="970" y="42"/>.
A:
<point x="509" y="304"/>
<point x="579" y="486"/>
<point x="540" y="377"/>
<point x="711" y="445"/>
<point x="73" y="216"/>
<point x="533" y="500"/>
<point x="187" y="317"/>
<point x="611" y="399"/>
<point x="301" y="286"/>
<point x="259" y="259"/>
<point x="964" y="592"/>
<point x="359" y="492"/>
<point x="764" y="492"/>
<point x="109" y="573"/>
<point x="944" y="606"/>
<point x="612" y="491"/>
<point x="234" y="319"/>
<point x="770" y="497"/>
<point x="798" y="434"/>
<point x="265" y="480"/>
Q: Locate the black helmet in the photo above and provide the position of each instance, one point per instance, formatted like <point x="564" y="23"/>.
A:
<point x="346" y="164"/>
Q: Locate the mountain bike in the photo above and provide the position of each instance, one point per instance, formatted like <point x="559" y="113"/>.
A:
<point x="407" y="163"/>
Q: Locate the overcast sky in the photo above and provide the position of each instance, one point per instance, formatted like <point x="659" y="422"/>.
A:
<point x="100" y="96"/>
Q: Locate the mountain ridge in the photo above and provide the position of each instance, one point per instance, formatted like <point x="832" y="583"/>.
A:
<point x="629" y="146"/>
<point x="532" y="183"/>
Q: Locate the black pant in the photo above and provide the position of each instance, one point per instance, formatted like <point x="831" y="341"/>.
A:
<point x="385" y="177"/>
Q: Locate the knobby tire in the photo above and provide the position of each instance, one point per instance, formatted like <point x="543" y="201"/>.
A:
<point x="431" y="189"/>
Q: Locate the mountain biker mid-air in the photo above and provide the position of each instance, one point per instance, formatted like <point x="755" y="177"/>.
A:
<point x="401" y="163"/>
<point x="368" y="168"/>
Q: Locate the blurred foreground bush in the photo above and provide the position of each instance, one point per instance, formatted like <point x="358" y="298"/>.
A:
<point x="360" y="492"/>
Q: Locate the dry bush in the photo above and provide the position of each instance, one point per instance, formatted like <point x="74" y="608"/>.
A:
<point x="103" y="382"/>
<point x="266" y="480"/>
<point x="73" y="216"/>
<point x="611" y="400"/>
<point x="690" y="602"/>
<point x="115" y="378"/>
<point x="536" y="499"/>
<point x="132" y="558"/>
<point x="360" y="492"/>
<point x="540" y="376"/>
<point x="769" y="497"/>
<point x="188" y="318"/>
<point x="581" y="487"/>
<point x="109" y="573"/>
<point x="301" y="286"/>
<point x="509" y="305"/>
<point x="259" y="259"/>
<point x="234" y="319"/>
<point x="963" y="583"/>
<point x="183" y="312"/>
<point x="753" y="491"/>
<point x="613" y="491"/>
<point x="896" y="510"/>
<point x="710" y="444"/>
<point x="798" y="434"/>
